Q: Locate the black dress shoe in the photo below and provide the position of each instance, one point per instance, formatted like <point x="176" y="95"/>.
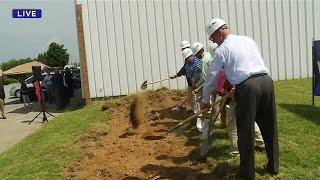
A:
<point x="259" y="149"/>
<point x="240" y="177"/>
<point x="271" y="171"/>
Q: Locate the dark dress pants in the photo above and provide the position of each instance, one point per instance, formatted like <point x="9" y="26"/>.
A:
<point x="256" y="102"/>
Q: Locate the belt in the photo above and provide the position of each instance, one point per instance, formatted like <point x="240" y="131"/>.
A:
<point x="257" y="75"/>
<point x="253" y="76"/>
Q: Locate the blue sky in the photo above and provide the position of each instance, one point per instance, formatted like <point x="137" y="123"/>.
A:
<point x="23" y="38"/>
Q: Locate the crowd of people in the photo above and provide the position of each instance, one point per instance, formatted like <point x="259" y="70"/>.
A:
<point x="234" y="68"/>
<point x="55" y="88"/>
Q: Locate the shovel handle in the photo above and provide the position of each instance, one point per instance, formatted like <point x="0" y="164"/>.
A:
<point x="183" y="102"/>
<point x="196" y="115"/>
<point x="198" y="89"/>
<point x="158" y="81"/>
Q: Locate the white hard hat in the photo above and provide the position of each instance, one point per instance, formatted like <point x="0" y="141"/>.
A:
<point x="214" y="25"/>
<point x="186" y="53"/>
<point x="184" y="44"/>
<point x="196" y="47"/>
<point x="212" y="47"/>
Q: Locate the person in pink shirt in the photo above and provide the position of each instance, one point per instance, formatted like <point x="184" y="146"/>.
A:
<point x="39" y="92"/>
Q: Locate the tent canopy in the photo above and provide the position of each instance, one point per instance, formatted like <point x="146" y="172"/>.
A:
<point x="24" y="68"/>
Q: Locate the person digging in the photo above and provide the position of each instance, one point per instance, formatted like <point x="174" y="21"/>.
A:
<point x="242" y="62"/>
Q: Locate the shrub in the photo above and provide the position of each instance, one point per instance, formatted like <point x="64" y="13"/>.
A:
<point x="7" y="81"/>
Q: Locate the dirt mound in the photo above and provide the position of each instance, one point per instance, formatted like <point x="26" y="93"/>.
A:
<point x="134" y="146"/>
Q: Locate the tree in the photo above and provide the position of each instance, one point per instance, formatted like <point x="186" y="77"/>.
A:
<point x="42" y="57"/>
<point x="56" y="56"/>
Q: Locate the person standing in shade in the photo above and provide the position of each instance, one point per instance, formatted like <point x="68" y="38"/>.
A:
<point x="47" y="82"/>
<point x="57" y="81"/>
<point x="2" y="98"/>
<point x="25" y="94"/>
<point x="243" y="65"/>
<point x="68" y="81"/>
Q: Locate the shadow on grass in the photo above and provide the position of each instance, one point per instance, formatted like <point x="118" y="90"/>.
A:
<point x="307" y="112"/>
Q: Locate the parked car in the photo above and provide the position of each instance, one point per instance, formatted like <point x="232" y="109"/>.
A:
<point x="16" y="90"/>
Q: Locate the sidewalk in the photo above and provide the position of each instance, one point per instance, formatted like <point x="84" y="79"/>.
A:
<point x="15" y="127"/>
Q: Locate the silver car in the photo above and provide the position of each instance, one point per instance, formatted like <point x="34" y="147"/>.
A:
<point x="15" y="90"/>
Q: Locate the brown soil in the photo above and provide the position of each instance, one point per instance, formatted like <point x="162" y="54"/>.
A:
<point x="137" y="110"/>
<point x="134" y="146"/>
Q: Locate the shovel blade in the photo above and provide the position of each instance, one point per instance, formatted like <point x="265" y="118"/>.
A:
<point x="144" y="85"/>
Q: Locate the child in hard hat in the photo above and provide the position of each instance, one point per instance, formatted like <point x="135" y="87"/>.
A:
<point x="192" y="66"/>
<point x="199" y="77"/>
<point x="182" y="72"/>
<point x="203" y="125"/>
<point x="205" y="57"/>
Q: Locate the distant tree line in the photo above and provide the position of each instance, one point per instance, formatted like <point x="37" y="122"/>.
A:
<point x="55" y="56"/>
<point x="14" y="62"/>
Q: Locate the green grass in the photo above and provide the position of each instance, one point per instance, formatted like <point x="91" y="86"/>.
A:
<point x="299" y="134"/>
<point x="7" y="81"/>
<point x="43" y="154"/>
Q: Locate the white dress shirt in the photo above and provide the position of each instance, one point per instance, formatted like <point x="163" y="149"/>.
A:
<point x="240" y="58"/>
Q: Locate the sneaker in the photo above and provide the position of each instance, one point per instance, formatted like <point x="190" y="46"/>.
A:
<point x="232" y="153"/>
<point x="199" y="124"/>
<point x="260" y="148"/>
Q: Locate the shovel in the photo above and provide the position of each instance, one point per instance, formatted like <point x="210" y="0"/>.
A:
<point x="145" y="84"/>
<point x="179" y="107"/>
<point x="198" y="89"/>
<point x="197" y="115"/>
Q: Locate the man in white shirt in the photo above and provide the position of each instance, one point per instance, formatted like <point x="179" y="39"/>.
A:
<point x="243" y="65"/>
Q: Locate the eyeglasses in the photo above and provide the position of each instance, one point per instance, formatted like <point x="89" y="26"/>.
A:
<point x="213" y="34"/>
<point x="211" y="37"/>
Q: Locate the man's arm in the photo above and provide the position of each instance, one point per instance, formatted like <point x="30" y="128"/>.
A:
<point x="211" y="80"/>
<point x="182" y="72"/>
